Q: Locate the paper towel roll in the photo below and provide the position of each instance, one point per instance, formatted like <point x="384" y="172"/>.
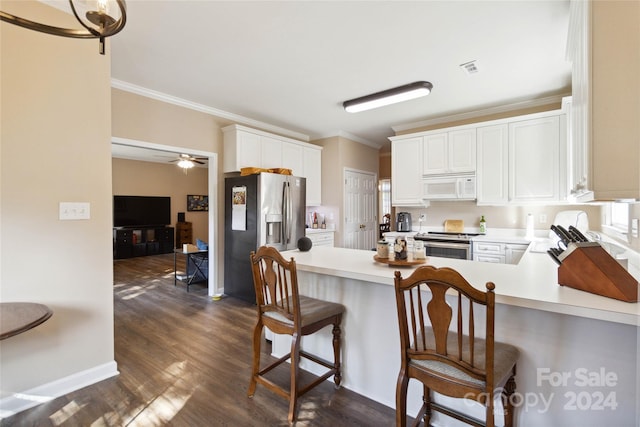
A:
<point x="185" y="247"/>
<point x="530" y="233"/>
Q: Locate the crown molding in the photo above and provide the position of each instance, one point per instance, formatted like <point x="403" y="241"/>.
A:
<point x="353" y="138"/>
<point x="481" y="113"/>
<point x="236" y="118"/>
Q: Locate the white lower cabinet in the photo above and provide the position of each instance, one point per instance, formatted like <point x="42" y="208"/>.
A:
<point x="321" y="238"/>
<point x="498" y="252"/>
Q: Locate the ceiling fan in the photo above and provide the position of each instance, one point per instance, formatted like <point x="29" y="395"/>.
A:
<point x="187" y="161"/>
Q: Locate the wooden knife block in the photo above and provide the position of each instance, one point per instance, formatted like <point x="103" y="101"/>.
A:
<point x="588" y="267"/>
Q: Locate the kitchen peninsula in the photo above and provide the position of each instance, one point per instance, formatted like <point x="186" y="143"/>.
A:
<point x="570" y="341"/>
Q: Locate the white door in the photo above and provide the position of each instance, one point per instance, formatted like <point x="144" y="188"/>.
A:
<point x="361" y="222"/>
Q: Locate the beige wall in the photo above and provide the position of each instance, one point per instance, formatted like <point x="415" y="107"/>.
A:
<point x="616" y="99"/>
<point x="145" y="119"/>
<point x="135" y="178"/>
<point x="55" y="147"/>
<point x="497" y="216"/>
<point x="339" y="153"/>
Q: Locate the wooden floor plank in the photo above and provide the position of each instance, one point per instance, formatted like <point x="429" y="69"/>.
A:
<point x="185" y="360"/>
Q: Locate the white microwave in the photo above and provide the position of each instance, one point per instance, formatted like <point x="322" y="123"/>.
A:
<point x="452" y="187"/>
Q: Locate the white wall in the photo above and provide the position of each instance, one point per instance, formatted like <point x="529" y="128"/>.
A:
<point x="55" y="146"/>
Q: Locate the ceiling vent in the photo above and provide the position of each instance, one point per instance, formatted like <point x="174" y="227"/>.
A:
<point x="470" y="67"/>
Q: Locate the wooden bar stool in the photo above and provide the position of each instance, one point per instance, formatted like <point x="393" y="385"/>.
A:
<point x="284" y="311"/>
<point x="455" y="362"/>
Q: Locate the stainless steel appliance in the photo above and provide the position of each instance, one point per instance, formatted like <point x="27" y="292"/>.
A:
<point x="262" y="209"/>
<point x="404" y="221"/>
<point x="447" y="245"/>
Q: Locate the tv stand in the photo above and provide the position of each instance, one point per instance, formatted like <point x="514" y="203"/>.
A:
<point x="131" y="242"/>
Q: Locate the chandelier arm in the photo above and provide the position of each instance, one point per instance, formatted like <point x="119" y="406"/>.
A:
<point x="87" y="33"/>
<point x="43" y="28"/>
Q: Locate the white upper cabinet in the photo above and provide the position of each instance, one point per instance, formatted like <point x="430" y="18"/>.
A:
<point x="522" y="161"/>
<point x="406" y="171"/>
<point x="246" y="147"/>
<point x="534" y="160"/>
<point x="493" y="164"/>
<point x="517" y="160"/>
<point x="241" y="147"/>
<point x="449" y="152"/>
<point x="293" y="158"/>
<point x="271" y="154"/>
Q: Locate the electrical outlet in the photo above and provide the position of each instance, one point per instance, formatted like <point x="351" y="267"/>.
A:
<point x="422" y="218"/>
<point x="542" y="219"/>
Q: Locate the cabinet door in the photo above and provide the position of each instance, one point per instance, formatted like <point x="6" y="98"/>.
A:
<point x="534" y="160"/>
<point x="312" y="166"/>
<point x="248" y="153"/>
<point x="434" y="152"/>
<point x="271" y="156"/>
<point x="461" y="151"/>
<point x="493" y="165"/>
<point x="406" y="168"/>
<point x="292" y="158"/>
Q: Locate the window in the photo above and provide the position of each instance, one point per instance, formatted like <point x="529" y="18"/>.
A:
<point x="616" y="220"/>
<point x="384" y="197"/>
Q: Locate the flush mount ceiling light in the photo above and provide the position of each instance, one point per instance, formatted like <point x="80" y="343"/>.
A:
<point x="389" y="96"/>
<point x="100" y="19"/>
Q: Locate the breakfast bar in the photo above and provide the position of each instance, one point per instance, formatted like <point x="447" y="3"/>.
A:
<point x="578" y="363"/>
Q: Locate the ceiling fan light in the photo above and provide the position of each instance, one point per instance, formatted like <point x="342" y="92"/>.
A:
<point x="389" y="96"/>
<point x="186" y="164"/>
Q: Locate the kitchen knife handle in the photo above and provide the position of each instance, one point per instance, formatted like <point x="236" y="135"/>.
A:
<point x="554" y="257"/>
<point x="562" y="236"/>
<point x="578" y="234"/>
<point x="567" y="236"/>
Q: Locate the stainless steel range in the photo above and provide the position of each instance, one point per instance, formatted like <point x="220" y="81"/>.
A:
<point x="447" y="245"/>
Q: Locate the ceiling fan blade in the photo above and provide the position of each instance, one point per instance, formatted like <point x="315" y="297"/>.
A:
<point x="201" y="158"/>
<point x="197" y="161"/>
<point x="174" y="160"/>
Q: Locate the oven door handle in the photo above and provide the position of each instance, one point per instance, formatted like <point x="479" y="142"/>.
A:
<point x="451" y="245"/>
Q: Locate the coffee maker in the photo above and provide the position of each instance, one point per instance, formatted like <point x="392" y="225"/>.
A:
<point x="404" y="221"/>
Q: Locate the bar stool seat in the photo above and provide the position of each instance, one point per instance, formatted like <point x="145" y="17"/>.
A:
<point x="451" y="361"/>
<point x="281" y="309"/>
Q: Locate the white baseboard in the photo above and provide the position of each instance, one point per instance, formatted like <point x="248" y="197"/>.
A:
<point x="18" y="402"/>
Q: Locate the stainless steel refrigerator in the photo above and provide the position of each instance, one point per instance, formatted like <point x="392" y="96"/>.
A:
<point x="262" y="209"/>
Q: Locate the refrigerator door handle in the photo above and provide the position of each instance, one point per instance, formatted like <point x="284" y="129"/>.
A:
<point x="289" y="212"/>
<point x="285" y="213"/>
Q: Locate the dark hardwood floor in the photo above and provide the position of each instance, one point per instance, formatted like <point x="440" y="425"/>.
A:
<point x="185" y="360"/>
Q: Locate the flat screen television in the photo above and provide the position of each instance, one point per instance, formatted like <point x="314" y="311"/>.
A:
<point x="141" y="211"/>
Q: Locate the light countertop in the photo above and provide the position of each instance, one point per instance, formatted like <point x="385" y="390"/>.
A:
<point x="532" y="283"/>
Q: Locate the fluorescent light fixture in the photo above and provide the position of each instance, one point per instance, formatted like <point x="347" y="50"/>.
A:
<point x="389" y="96"/>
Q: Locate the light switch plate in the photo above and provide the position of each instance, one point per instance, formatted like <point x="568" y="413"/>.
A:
<point x="75" y="210"/>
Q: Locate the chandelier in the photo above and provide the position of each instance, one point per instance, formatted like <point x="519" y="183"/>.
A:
<point x="99" y="19"/>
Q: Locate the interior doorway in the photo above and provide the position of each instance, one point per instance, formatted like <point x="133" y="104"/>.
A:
<point x="360" y="209"/>
<point x="214" y="284"/>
